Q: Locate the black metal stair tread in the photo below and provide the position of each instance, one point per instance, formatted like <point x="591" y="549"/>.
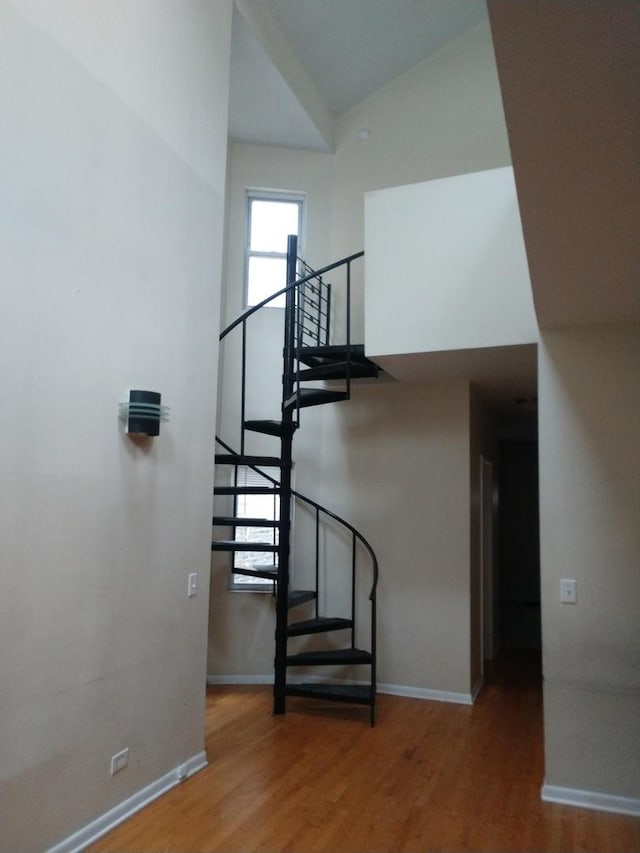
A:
<point x="246" y="490"/>
<point x="315" y="397"/>
<point x="245" y="459"/>
<point x="297" y="597"/>
<point x="235" y="545"/>
<point x="270" y="427"/>
<point x="317" y="626"/>
<point x="267" y="573"/>
<point x="358" y="694"/>
<point x="235" y="521"/>
<point x="333" y="352"/>
<point x="328" y="657"/>
<point x="338" y="370"/>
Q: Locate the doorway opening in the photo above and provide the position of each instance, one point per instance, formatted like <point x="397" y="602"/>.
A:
<point x="509" y="542"/>
<point x="519" y="546"/>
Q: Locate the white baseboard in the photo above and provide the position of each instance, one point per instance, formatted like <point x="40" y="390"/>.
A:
<point x="391" y="689"/>
<point x="99" y="827"/>
<point x="426" y="693"/>
<point x="239" y="679"/>
<point x="400" y="690"/>
<point x="590" y="800"/>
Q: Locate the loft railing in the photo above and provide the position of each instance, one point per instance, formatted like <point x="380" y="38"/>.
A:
<point x="293" y="331"/>
<point x="293" y="285"/>
<point x="313" y="308"/>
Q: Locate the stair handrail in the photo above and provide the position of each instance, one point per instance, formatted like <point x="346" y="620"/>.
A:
<point x="291" y="286"/>
<point x="316" y="505"/>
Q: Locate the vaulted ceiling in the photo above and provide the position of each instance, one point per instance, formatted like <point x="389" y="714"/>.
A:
<point x="297" y="64"/>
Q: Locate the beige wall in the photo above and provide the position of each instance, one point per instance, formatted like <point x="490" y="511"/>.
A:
<point x="385" y="451"/>
<point x="113" y="147"/>
<point x="570" y="81"/>
<point x="590" y="507"/>
<point x="390" y="442"/>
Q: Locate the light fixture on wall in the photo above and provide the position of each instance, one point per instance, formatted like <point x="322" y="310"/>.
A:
<point x="143" y="413"/>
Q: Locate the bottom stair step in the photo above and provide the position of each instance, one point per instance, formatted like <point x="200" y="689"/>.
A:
<point x="359" y="694"/>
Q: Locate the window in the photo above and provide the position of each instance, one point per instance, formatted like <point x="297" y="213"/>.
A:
<point x="271" y="217"/>
<point x="254" y="506"/>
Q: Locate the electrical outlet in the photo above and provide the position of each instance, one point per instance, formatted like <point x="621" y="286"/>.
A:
<point x="568" y="591"/>
<point x="192" y="586"/>
<point x="119" y="761"/>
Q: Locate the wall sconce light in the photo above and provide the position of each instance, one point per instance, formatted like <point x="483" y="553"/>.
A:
<point x="143" y="413"/>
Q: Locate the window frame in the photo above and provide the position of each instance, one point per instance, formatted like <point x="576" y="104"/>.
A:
<point x="244" y="583"/>
<point x="284" y="196"/>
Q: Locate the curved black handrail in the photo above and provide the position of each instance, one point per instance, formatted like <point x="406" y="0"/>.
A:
<point x="291" y="286"/>
<point x="316" y="505"/>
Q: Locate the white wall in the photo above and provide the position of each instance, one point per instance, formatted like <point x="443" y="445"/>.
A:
<point x="445" y="266"/>
<point x="590" y="507"/>
<point x="111" y="198"/>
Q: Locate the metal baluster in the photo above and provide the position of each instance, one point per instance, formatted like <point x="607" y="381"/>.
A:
<point x="349" y="329"/>
<point x="244" y="386"/>
<point x="317" y="560"/>
<point x="353" y="590"/>
<point x="282" y="608"/>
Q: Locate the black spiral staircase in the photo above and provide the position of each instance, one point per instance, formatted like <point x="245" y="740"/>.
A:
<point x="308" y="355"/>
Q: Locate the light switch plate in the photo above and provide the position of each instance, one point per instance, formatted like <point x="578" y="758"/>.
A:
<point x="192" y="586"/>
<point x="119" y="761"/>
<point x="568" y="591"/>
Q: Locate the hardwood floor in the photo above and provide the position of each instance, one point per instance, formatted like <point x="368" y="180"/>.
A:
<point x="430" y="776"/>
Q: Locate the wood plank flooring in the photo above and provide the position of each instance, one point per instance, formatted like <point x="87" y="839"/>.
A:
<point x="429" y="777"/>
